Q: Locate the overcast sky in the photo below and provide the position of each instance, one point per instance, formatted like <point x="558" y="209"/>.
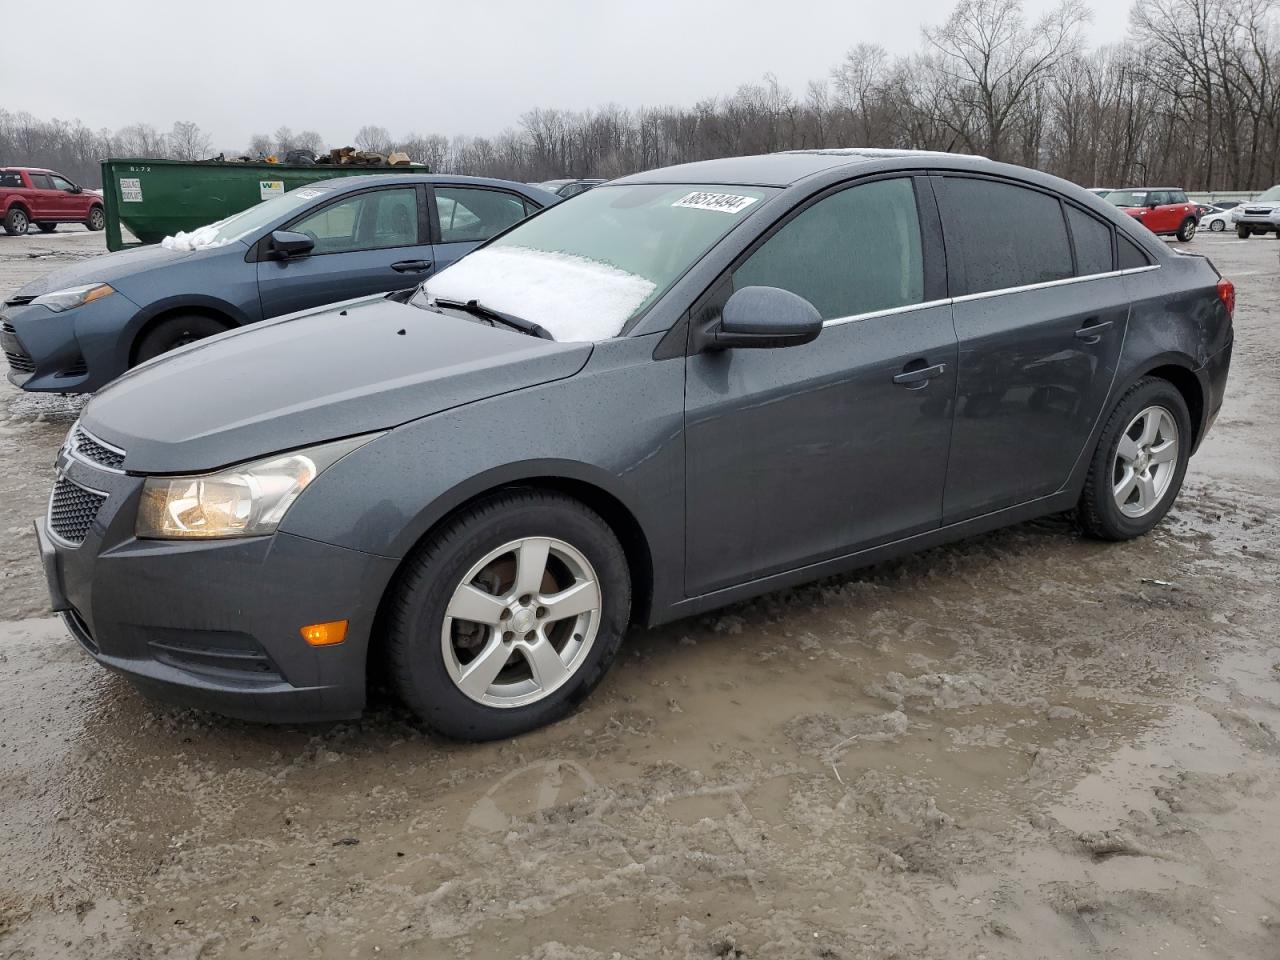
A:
<point x="238" y="68"/>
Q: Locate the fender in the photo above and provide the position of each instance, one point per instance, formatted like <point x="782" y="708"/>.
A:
<point x="547" y="471"/>
<point x="198" y="301"/>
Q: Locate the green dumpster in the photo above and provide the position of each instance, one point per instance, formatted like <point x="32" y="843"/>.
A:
<point x="155" y="199"/>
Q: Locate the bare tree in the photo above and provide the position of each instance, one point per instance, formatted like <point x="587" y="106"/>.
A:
<point x="187" y="141"/>
<point x="374" y="139"/>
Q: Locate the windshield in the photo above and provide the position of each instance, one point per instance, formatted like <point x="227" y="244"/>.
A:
<point x="1127" y="198"/>
<point x="1272" y="195"/>
<point x="583" y="269"/>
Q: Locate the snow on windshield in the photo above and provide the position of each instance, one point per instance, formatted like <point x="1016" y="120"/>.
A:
<point x="572" y="297"/>
<point x="201" y="238"/>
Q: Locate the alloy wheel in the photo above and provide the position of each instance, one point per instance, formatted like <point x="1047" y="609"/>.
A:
<point x="1145" y="462"/>
<point x="521" y="622"/>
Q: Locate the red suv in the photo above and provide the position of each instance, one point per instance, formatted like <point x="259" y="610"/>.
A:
<point x="31" y="195"/>
<point x="1162" y="210"/>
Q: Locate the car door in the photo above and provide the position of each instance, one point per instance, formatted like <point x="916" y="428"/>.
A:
<point x="374" y="241"/>
<point x="68" y="200"/>
<point x="468" y="216"/>
<point x="45" y="201"/>
<point x="1041" y="314"/>
<point x="800" y="454"/>
<point x="1166" y="216"/>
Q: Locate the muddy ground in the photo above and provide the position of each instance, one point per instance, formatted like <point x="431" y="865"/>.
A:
<point x="1024" y="745"/>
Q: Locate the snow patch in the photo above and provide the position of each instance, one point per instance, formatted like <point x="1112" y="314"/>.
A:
<point x="572" y="297"/>
<point x="201" y="238"/>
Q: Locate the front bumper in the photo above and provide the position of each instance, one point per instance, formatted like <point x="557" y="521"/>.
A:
<point x="215" y="624"/>
<point x="73" y="351"/>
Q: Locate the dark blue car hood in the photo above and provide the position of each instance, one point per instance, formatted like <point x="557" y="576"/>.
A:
<point x="312" y="377"/>
<point x="117" y="268"/>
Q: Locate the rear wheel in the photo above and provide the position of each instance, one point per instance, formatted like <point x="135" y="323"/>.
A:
<point x="97" y="219"/>
<point x="1217" y="226"/>
<point x="1187" y="230"/>
<point x="1138" y="466"/>
<point x="46" y="227"/>
<point x="16" y="222"/>
<point x="509" y="616"/>
<point x="176" y="332"/>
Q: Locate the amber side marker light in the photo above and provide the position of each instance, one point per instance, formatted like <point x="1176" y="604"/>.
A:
<point x="325" y="634"/>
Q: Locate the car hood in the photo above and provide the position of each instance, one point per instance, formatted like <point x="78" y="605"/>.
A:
<point x="311" y="377"/>
<point x="110" y="268"/>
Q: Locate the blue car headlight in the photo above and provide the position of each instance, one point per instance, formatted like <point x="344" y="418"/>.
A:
<point x="60" y="300"/>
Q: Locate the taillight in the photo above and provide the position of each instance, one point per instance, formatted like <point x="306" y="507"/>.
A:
<point x="1227" y="294"/>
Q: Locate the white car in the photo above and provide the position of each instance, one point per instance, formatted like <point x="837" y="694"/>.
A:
<point x="1217" y="221"/>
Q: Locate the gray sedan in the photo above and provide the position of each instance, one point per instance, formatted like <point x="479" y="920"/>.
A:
<point x="682" y="389"/>
<point x="83" y="325"/>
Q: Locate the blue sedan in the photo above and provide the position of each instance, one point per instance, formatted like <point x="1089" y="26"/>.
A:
<point x="82" y="326"/>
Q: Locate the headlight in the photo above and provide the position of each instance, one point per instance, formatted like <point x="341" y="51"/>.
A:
<point x="248" y="500"/>
<point x="61" y="300"/>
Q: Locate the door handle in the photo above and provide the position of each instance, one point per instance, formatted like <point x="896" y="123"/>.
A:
<point x="411" y="266"/>
<point x="1092" y="331"/>
<point x="914" y="379"/>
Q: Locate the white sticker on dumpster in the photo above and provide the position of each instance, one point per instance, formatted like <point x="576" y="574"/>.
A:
<point x="722" y="202"/>
<point x="130" y="190"/>
<point x="270" y="188"/>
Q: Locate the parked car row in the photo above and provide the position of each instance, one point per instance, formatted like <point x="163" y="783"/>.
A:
<point x="81" y="326"/>
<point x="34" y="195"/>
<point x="683" y="388"/>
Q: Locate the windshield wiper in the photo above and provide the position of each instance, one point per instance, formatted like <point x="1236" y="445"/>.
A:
<point x="477" y="309"/>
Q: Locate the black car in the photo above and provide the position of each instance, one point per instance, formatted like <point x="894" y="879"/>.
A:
<point x="684" y="388"/>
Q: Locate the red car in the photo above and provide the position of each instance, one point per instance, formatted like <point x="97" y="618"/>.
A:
<point x="1165" y="211"/>
<point x="31" y="195"/>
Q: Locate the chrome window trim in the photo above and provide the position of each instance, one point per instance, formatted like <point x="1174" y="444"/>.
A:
<point x="986" y="294"/>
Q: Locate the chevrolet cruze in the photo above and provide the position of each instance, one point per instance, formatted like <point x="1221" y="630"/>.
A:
<point x="684" y="388"/>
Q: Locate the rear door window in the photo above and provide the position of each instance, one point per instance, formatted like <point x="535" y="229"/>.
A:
<point x="1002" y="235"/>
<point x="856" y="251"/>
<point x="1131" y="254"/>
<point x="41" y="181"/>
<point x="1092" y="240"/>
<point x="470" y="214"/>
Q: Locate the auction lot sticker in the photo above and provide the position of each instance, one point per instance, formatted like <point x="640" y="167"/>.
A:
<point x="130" y="190"/>
<point x="721" y="202"/>
<point x="270" y="188"/>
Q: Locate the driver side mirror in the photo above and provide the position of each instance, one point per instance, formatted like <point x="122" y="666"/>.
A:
<point x="76" y="189"/>
<point x="286" y="244"/>
<point x="766" y="317"/>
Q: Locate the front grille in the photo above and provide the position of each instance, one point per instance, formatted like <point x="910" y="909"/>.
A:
<point x="6" y="327"/>
<point x="93" y="450"/>
<point x="77" y="368"/>
<point x="1257" y="211"/>
<point x="72" y="510"/>
<point x="20" y="362"/>
<point x="19" y="301"/>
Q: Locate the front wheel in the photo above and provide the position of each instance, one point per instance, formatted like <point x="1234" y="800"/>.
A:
<point x="1217" y="226"/>
<point x="16" y="222"/>
<point x="509" y="616"/>
<point x="1242" y="232"/>
<point x="97" y="219"/>
<point x="176" y="332"/>
<point x="1139" y="463"/>
<point x="1187" y="230"/>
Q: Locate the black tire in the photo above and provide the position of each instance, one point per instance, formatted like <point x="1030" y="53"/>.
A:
<point x="97" y="219"/>
<point x="46" y="227"/>
<point x="1217" y="226"/>
<point x="176" y="332"/>
<point x="1187" y="230"/>
<point x="1242" y="232"/>
<point x="16" y="222"/>
<point x="425" y="586"/>
<point x="1097" y="512"/>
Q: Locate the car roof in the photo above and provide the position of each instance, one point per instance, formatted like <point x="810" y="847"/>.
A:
<point x="1149" y="188"/>
<point x="27" y="169"/>
<point x="440" y="179"/>
<point x="783" y="169"/>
